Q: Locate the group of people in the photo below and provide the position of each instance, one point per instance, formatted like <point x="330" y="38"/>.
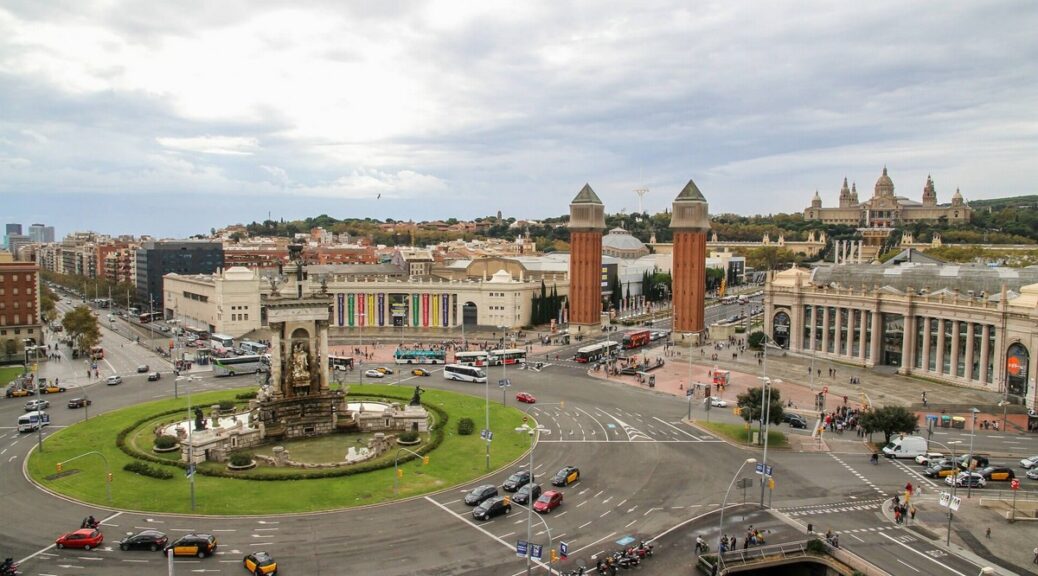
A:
<point x="832" y="538"/>
<point x="753" y="537"/>
<point x="843" y="418"/>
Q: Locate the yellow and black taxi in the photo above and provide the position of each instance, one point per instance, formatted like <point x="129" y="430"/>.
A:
<point x="941" y="469"/>
<point x="51" y="389"/>
<point x="566" y="476"/>
<point x="200" y="545"/>
<point x="17" y="392"/>
<point x="420" y="372"/>
<point x="998" y="473"/>
<point x="259" y="563"/>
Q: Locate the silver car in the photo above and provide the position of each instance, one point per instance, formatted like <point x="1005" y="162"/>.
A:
<point x="34" y="405"/>
<point x="1029" y="462"/>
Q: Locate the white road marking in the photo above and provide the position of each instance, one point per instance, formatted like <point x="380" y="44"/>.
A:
<point x="676" y="428"/>
<point x="508" y="545"/>
<point x="584" y="525"/>
<point x="633" y="521"/>
<point x="561" y="514"/>
<point x="900" y="561"/>
<point x="934" y="560"/>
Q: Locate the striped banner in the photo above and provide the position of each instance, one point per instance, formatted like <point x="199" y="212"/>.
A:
<point x="415" y="305"/>
<point x="446" y="304"/>
<point x="381" y="309"/>
<point x="341" y="298"/>
<point x="361" y="303"/>
<point x="350" y="305"/>
<point x="435" y="315"/>
<point x="425" y="309"/>
<point x="371" y="310"/>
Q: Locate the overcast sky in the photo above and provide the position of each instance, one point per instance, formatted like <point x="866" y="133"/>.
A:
<point x="170" y="118"/>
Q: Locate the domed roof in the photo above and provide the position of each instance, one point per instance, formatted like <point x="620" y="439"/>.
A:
<point x="621" y="240"/>
<point x="957" y="194"/>
<point x="884" y="186"/>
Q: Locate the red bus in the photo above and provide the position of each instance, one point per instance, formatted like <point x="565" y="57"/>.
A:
<point x="636" y="339"/>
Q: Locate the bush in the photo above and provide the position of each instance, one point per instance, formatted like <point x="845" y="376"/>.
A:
<point x="756" y="340"/>
<point x="138" y="467"/>
<point x="816" y="546"/>
<point x="466" y="426"/>
<point x="165" y="442"/>
<point x="409" y="436"/>
<point x="246" y="395"/>
<point x="226" y="405"/>
<point x="240" y="459"/>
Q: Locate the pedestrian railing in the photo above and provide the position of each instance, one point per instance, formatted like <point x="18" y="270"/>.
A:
<point x="1007" y="495"/>
<point x="758" y="554"/>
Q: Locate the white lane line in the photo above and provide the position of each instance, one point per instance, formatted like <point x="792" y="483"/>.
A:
<point x="633" y="521"/>
<point x="900" y="561"/>
<point x="485" y="532"/>
<point x="584" y="525"/>
<point x="604" y="432"/>
<point x="676" y="428"/>
<point x="561" y="514"/>
<point x="934" y="560"/>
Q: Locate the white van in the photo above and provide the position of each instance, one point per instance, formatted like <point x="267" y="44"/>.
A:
<point x="905" y="447"/>
<point x="33" y="421"/>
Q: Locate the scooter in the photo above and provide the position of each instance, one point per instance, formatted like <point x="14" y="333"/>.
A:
<point x="644" y="549"/>
<point x="88" y="523"/>
<point x="9" y="568"/>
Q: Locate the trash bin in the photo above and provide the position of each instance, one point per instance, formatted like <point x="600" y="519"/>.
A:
<point x="946" y="421"/>
<point x="958" y="422"/>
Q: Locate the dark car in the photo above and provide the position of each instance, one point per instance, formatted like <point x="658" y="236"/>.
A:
<point x="144" y="540"/>
<point x="998" y="473"/>
<point x="142" y="368"/>
<point x="491" y="507"/>
<point x="517" y="481"/>
<point x="79" y="402"/>
<point x="566" y="476"/>
<point x="527" y="494"/>
<point x="480" y="493"/>
<point x="794" y="420"/>
<point x="200" y="545"/>
<point x="978" y="461"/>
<point x="153" y="376"/>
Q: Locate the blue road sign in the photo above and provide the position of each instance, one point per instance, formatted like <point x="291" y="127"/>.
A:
<point x="486" y="434"/>
<point x="535" y="551"/>
<point x="761" y="469"/>
<point x="190" y="470"/>
<point x="504" y="382"/>
<point x="625" y="541"/>
<point x="520" y="548"/>
<point x="563" y="550"/>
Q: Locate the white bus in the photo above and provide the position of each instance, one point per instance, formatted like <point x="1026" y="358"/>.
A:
<point x="239" y="365"/>
<point x="221" y="342"/>
<point x="250" y="347"/>
<point x="464" y="373"/>
<point x="596" y="352"/>
<point x="511" y="355"/>
<point x="340" y="362"/>
<point x="476" y="358"/>
<point x="33" y="421"/>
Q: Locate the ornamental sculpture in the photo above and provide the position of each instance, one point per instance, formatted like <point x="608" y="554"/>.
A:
<point x="300" y="363"/>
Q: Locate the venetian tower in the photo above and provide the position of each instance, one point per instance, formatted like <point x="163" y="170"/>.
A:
<point x="690" y="222"/>
<point x="586" y="223"/>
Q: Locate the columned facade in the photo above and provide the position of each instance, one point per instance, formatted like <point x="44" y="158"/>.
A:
<point x="690" y="221"/>
<point x="586" y="223"/>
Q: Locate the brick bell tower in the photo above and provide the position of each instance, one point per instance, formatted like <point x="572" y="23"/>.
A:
<point x="690" y="222"/>
<point x="586" y="223"/>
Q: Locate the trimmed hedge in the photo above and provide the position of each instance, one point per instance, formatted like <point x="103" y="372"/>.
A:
<point x="240" y="459"/>
<point x="165" y="442"/>
<point x="226" y="405"/>
<point x="409" y="436"/>
<point x="246" y="395"/>
<point x="436" y="430"/>
<point x="466" y="426"/>
<point x="138" y="467"/>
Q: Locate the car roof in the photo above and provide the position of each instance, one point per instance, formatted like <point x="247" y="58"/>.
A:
<point x="150" y="532"/>
<point x="261" y="556"/>
<point x="85" y="531"/>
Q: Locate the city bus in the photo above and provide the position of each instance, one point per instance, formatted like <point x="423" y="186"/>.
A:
<point x="405" y="356"/>
<point x="464" y="373"/>
<point x="97" y="353"/>
<point x="596" y="352"/>
<point x="221" y="342"/>
<point x="476" y="358"/>
<point x="340" y="362"/>
<point x="146" y="317"/>
<point x="239" y="365"/>
<point x="33" y="421"/>
<point x="729" y="299"/>
<point x="510" y="356"/>
<point x="636" y="339"/>
<point x="250" y="347"/>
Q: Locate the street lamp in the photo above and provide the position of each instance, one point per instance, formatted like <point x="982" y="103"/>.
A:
<point x="969" y="462"/>
<point x="533" y="433"/>
<point x="190" y="444"/>
<point x="720" y="524"/>
<point x="951" y="445"/>
<point x="765" y="416"/>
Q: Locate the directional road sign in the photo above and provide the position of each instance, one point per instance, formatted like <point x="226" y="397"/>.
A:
<point x="761" y="469"/>
<point x="955" y="502"/>
<point x="563" y="550"/>
<point x="535" y="551"/>
<point x="520" y="548"/>
<point x="504" y="382"/>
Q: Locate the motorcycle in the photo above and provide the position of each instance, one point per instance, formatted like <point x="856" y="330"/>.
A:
<point x="625" y="561"/>
<point x="90" y="523"/>
<point x="578" y="572"/>
<point x="644" y="549"/>
<point x="9" y="568"/>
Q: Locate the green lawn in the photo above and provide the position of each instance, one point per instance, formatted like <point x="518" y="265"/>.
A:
<point x="737" y="433"/>
<point x="456" y="461"/>
<point x="9" y="373"/>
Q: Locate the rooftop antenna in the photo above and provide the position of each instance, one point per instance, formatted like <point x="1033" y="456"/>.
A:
<point x="641" y="192"/>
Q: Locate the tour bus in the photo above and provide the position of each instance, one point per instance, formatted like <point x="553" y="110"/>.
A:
<point x="729" y="299"/>
<point x="405" y="356"/>
<point x="596" y="352"/>
<point x="636" y="339"/>
<point x="340" y="362"/>
<point x="33" y="421"/>
<point x="250" y="347"/>
<point x="464" y="373"/>
<point x="146" y="317"/>
<point x="221" y="343"/>
<point x="476" y="358"/>
<point x="239" y="365"/>
<point x="97" y="353"/>
<point x="511" y="356"/>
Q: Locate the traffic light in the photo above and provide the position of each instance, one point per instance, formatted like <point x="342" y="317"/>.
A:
<point x="399" y="472"/>
<point x="737" y="410"/>
<point x="425" y="460"/>
<point x="109" y="477"/>
<point x="554" y="556"/>
<point x="59" y="467"/>
<point x="562" y="404"/>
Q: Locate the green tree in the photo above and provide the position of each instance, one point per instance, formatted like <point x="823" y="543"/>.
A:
<point x="81" y="326"/>
<point x="752" y="403"/>
<point x="10" y="348"/>
<point x="756" y="340"/>
<point x="889" y="420"/>
<point x="48" y="310"/>
<point x="616" y="292"/>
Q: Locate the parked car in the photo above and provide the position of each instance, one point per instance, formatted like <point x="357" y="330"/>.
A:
<point x="259" y="563"/>
<point x="526" y="494"/>
<point x="420" y="372"/>
<point x="142" y="368"/>
<point x="494" y="506"/>
<point x="548" y="501"/>
<point x="966" y="479"/>
<point x="566" y="476"/>
<point x="144" y="540"/>
<point x="998" y="473"/>
<point x="526" y="397"/>
<point x="373" y="374"/>
<point x="200" y="545"/>
<point x="113" y="380"/>
<point x="925" y="459"/>
<point x="85" y="538"/>
<point x="1029" y="462"/>
<point x="480" y="493"/>
<point x="153" y="376"/>
<point x="79" y="402"/>
<point x="517" y="481"/>
<point x="794" y="420"/>
<point x="34" y="405"/>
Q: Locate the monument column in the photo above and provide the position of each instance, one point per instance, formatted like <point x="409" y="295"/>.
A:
<point x="940" y="346"/>
<point x="275" y="357"/>
<point x="322" y="355"/>
<point x="970" y="352"/>
<point x="586" y="223"/>
<point x="985" y="353"/>
<point x="690" y="222"/>
<point x="927" y="323"/>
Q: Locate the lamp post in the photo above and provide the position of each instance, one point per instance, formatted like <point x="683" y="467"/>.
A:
<point x="765" y="418"/>
<point x="360" y="347"/>
<point x="969" y="462"/>
<point x="190" y="443"/>
<point x="720" y="524"/>
<point x="533" y="433"/>
<point x="955" y="484"/>
<point x="39" y="427"/>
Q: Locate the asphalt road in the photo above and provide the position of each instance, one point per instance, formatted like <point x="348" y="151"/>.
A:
<point x="644" y="473"/>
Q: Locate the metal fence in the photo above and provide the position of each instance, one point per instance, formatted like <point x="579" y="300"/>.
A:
<point x="762" y="553"/>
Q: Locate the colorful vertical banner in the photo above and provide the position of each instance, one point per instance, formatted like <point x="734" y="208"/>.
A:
<point x="350" y="309"/>
<point x="342" y="302"/>
<point x="435" y="315"/>
<point x="415" y="305"/>
<point x="445" y="304"/>
<point x="361" y="304"/>
<point x="381" y="309"/>
<point x="425" y="309"/>
<point x="372" y="319"/>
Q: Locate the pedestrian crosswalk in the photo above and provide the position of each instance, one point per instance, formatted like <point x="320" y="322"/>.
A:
<point x="835" y="508"/>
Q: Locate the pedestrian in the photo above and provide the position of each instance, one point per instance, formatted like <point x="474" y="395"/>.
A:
<point x="987" y="533"/>
<point x="911" y="512"/>
<point x="1035" y="561"/>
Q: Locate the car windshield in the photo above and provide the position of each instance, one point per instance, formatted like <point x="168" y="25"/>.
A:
<point x="544" y="498"/>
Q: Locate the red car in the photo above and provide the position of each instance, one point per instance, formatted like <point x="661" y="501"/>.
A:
<point x="525" y="397"/>
<point x="85" y="538"/>
<point x="548" y="501"/>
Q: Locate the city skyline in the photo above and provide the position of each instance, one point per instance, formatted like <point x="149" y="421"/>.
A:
<point x="141" y="118"/>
